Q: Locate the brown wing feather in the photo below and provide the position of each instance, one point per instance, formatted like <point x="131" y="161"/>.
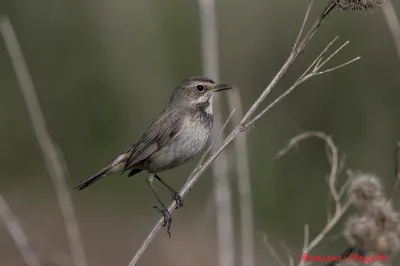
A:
<point x="163" y="129"/>
<point x="143" y="155"/>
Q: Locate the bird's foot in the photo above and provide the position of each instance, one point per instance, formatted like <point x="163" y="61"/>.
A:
<point x="167" y="218"/>
<point x="178" y="199"/>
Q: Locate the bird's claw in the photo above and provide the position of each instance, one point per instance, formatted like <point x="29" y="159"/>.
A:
<point x="178" y="199"/>
<point x="167" y="218"/>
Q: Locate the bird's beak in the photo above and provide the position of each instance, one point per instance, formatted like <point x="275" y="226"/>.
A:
<point x="222" y="87"/>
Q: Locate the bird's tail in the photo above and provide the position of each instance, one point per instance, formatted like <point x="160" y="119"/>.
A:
<point x="91" y="180"/>
<point x="114" y="166"/>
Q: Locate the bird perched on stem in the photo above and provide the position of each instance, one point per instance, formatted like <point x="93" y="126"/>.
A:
<point x="177" y="135"/>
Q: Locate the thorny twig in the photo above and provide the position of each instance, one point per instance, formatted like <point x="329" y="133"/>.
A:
<point x="244" y="124"/>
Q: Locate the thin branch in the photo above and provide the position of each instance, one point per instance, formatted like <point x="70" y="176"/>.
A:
<point x="242" y="126"/>
<point x="337" y="67"/>
<point x="244" y="187"/>
<point x="50" y="153"/>
<point x="328" y="227"/>
<point x="304" y="77"/>
<point x="289" y="252"/>
<point x="193" y="178"/>
<point x="310" y="34"/>
<point x="218" y="136"/>
<point x="318" y="60"/>
<point x="209" y="209"/>
<point x="222" y="187"/>
<point x="18" y="234"/>
<point x="343" y="189"/>
<point x="298" y="47"/>
<point x="303" y="25"/>
<point x="306" y="238"/>
<point x="333" y="159"/>
<point x="272" y="251"/>
<point x="333" y="54"/>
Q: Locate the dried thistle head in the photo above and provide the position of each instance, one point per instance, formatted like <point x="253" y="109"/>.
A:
<point x="359" y="5"/>
<point x="387" y="243"/>
<point x="364" y="189"/>
<point x="376" y="229"/>
<point x="384" y="216"/>
<point x="360" y="231"/>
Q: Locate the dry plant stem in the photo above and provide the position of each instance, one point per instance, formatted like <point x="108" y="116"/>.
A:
<point x="298" y="47"/>
<point x="340" y="208"/>
<point x="289" y="253"/>
<point x="17" y="234"/>
<point x="222" y="187"/>
<point x="242" y="126"/>
<point x="244" y="186"/>
<point x="313" y="70"/>
<point x="306" y="237"/>
<point x="394" y="25"/>
<point x="216" y="138"/>
<point x="210" y="207"/>
<point x="273" y="252"/>
<point x="393" y="22"/>
<point x="51" y="156"/>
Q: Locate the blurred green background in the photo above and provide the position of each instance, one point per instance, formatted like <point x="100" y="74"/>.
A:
<point x="103" y="71"/>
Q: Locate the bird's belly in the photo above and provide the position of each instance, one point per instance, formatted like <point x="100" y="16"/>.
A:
<point x="184" y="147"/>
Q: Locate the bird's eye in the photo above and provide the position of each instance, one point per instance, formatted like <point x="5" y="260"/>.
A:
<point x="200" y="87"/>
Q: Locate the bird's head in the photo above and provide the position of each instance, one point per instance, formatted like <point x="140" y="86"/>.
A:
<point x="196" y="90"/>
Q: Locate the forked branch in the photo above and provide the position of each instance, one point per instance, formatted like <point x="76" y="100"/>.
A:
<point x="340" y="207"/>
<point x="247" y="120"/>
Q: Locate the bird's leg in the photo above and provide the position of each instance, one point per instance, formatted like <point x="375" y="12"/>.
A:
<point x="164" y="211"/>
<point x="175" y="195"/>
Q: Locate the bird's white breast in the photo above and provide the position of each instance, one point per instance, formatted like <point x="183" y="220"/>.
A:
<point x="189" y="142"/>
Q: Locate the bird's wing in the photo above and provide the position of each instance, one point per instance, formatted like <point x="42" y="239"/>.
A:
<point x="163" y="129"/>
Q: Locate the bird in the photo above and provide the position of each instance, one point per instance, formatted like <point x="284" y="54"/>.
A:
<point x="175" y="137"/>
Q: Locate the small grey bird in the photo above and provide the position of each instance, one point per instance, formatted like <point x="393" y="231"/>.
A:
<point x="177" y="135"/>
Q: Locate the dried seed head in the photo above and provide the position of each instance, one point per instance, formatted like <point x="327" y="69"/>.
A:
<point x="384" y="215"/>
<point x="376" y="229"/>
<point x="387" y="243"/>
<point x="359" y="5"/>
<point x="365" y="189"/>
<point x="360" y="231"/>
